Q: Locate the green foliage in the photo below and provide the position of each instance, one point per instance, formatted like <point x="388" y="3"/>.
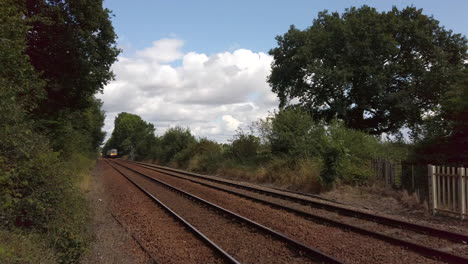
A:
<point x="174" y="141"/>
<point x="131" y="136"/>
<point x="348" y="154"/>
<point x="331" y="161"/>
<point x="294" y="133"/>
<point x="70" y="136"/>
<point x="203" y="156"/>
<point x="291" y="141"/>
<point x="40" y="143"/>
<point x="376" y="71"/>
<point x="443" y="137"/>
<point x="19" y="247"/>
<point x="20" y="87"/>
<point x="73" y="45"/>
<point x="244" y="146"/>
<point x="344" y="154"/>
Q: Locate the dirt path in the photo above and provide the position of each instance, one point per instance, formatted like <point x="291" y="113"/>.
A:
<point x="111" y="243"/>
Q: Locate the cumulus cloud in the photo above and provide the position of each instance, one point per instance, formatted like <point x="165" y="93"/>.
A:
<point x="231" y="123"/>
<point x="162" y="51"/>
<point x="211" y="94"/>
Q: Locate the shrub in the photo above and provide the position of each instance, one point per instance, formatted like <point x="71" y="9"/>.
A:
<point x="347" y="154"/>
<point x="174" y="141"/>
<point x="207" y="157"/>
<point x="244" y="146"/>
<point x="293" y="132"/>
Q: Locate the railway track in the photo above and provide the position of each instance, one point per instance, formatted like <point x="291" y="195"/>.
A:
<point x="428" y="241"/>
<point x="199" y="215"/>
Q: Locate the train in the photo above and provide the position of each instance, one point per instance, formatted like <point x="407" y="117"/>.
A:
<point x="112" y="153"/>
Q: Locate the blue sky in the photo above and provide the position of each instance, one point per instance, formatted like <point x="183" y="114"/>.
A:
<point x="204" y="64"/>
<point x="212" y="26"/>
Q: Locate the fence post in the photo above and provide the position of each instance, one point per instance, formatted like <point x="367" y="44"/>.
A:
<point x="432" y="181"/>
<point x="462" y="193"/>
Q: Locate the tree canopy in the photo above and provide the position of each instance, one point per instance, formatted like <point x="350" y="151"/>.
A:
<point x="378" y="72"/>
<point x="72" y="45"/>
<point x="443" y="138"/>
<point x="131" y="136"/>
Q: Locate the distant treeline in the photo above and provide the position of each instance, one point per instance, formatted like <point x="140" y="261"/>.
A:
<point x="287" y="148"/>
<point x="54" y="56"/>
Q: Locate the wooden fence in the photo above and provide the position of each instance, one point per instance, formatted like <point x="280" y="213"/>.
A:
<point x="402" y="175"/>
<point x="388" y="171"/>
<point x="448" y="187"/>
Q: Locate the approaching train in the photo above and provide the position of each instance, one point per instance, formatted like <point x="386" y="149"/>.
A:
<point x="112" y="153"/>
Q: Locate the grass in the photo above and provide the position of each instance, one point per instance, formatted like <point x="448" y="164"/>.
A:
<point x="302" y="176"/>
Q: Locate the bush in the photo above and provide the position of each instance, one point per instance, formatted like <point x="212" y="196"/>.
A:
<point x="244" y="147"/>
<point x="174" y="141"/>
<point x="348" y="154"/>
<point x="293" y="132"/>
<point x="207" y="157"/>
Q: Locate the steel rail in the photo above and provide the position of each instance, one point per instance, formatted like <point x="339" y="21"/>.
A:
<point x="312" y="253"/>
<point x="435" y="232"/>
<point x="423" y="250"/>
<point x="204" y="238"/>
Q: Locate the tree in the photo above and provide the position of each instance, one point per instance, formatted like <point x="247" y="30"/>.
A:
<point x="443" y="137"/>
<point x="376" y="71"/>
<point x="174" y="141"/>
<point x="93" y="121"/>
<point x="20" y="86"/>
<point x="131" y="135"/>
<point x="72" y="45"/>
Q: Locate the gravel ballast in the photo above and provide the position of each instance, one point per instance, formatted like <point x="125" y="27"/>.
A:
<point x="243" y="242"/>
<point x="164" y="237"/>
<point x="347" y="246"/>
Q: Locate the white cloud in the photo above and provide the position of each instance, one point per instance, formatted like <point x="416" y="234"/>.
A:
<point x="162" y="51"/>
<point x="231" y="123"/>
<point x="213" y="95"/>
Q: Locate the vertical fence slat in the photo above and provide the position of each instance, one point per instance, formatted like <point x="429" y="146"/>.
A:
<point x="438" y="183"/>
<point x="444" y="200"/>
<point x="462" y="192"/>
<point x="449" y="188"/>
<point x="454" y="189"/>
<point x="432" y="177"/>
<point x="439" y="187"/>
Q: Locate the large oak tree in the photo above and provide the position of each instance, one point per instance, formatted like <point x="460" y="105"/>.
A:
<point x="378" y="72"/>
